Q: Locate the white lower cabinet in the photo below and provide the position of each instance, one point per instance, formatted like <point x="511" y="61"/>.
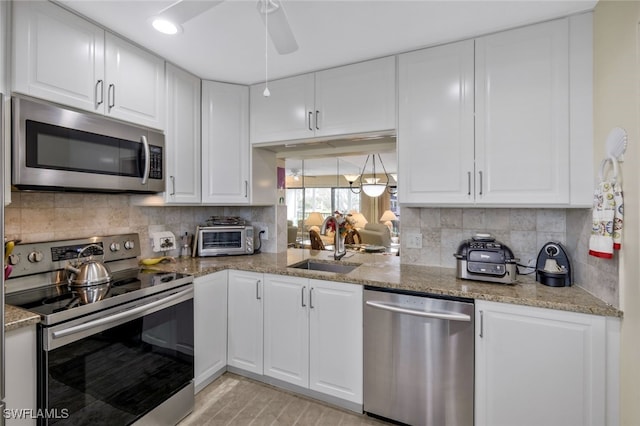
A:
<point x="210" y="328"/>
<point x="20" y="379"/>
<point x="313" y="335"/>
<point x="538" y="366"/>
<point x="335" y="342"/>
<point x="244" y="328"/>
<point x="286" y="329"/>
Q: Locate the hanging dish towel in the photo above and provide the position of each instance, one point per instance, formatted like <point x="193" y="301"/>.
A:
<point x="608" y="208"/>
<point x="618" y="216"/>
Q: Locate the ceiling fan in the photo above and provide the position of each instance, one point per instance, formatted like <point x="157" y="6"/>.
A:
<point x="170" y="19"/>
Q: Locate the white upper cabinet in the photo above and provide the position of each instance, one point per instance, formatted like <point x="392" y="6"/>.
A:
<point x="352" y="99"/>
<point x="60" y="57"/>
<point x="182" y="137"/>
<point x="522" y="115"/>
<point x="134" y="83"/>
<point x="57" y="56"/>
<point x="287" y="113"/>
<point x="487" y="121"/>
<point x="356" y="98"/>
<point x="4" y="44"/>
<point x="225" y="143"/>
<point x="435" y="127"/>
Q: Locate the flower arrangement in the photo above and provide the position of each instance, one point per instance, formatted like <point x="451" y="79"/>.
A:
<point x="347" y="225"/>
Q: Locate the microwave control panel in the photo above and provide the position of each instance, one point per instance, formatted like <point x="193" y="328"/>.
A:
<point x="155" y="154"/>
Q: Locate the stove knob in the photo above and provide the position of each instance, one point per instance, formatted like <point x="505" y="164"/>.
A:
<point x="114" y="247"/>
<point x="129" y="245"/>
<point x="35" y="257"/>
<point x="14" y="259"/>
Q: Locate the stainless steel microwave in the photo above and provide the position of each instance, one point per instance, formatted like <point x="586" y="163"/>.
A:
<point x="56" y="148"/>
<point x="224" y="240"/>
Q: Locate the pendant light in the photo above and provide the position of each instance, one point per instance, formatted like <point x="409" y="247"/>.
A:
<point x="371" y="186"/>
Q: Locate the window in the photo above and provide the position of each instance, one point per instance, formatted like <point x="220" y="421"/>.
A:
<point x="344" y="200"/>
<point x="302" y="201"/>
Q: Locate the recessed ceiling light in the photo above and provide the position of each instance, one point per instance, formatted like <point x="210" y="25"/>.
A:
<point x="165" y="26"/>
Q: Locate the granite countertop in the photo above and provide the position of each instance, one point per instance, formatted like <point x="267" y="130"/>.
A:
<point x="384" y="272"/>
<point x="15" y="318"/>
<point x="387" y="272"/>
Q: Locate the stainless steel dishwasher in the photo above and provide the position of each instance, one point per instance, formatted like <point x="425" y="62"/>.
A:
<point x="418" y="358"/>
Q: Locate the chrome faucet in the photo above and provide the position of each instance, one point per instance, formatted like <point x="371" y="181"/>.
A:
<point x="338" y="246"/>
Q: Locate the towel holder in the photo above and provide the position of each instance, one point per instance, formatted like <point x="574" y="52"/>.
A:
<point x="614" y="166"/>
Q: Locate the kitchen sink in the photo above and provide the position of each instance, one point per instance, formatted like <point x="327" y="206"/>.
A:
<point x="314" y="265"/>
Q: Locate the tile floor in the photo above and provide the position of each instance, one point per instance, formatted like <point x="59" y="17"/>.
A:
<point x="237" y="401"/>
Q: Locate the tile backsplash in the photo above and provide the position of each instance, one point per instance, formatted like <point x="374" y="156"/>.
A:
<point x="525" y="231"/>
<point x="41" y="216"/>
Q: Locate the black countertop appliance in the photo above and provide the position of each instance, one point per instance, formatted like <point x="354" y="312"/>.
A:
<point x="553" y="267"/>
<point x="483" y="258"/>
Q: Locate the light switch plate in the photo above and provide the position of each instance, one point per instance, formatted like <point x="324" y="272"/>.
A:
<point x="414" y="240"/>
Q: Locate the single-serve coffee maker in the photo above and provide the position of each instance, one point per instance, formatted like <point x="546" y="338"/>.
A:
<point x="553" y="267"/>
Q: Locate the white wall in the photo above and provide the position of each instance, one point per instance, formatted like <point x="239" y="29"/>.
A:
<point x="616" y="79"/>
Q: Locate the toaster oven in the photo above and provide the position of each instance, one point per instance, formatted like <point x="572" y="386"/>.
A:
<point x="482" y="258"/>
<point x="224" y="240"/>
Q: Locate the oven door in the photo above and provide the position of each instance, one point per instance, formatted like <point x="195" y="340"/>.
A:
<point x="118" y="366"/>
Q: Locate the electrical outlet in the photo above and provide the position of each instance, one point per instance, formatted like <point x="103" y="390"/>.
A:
<point x="259" y="227"/>
<point x="414" y="240"/>
<point x="162" y="241"/>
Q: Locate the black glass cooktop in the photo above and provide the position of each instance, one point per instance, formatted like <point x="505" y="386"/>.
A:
<point x="56" y="299"/>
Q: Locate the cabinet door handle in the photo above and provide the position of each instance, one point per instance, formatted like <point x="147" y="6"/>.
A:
<point x="481" y="324"/>
<point x="258" y="290"/>
<point x="303" y="289"/>
<point x="311" y="298"/>
<point x="111" y="96"/>
<point x="173" y="185"/>
<point x="317" y="115"/>
<point x="469" y="184"/>
<point x="246" y="189"/>
<point x="480" y="173"/>
<point x="310" y="114"/>
<point x="101" y="92"/>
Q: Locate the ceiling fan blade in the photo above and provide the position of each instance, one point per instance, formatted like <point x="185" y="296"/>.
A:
<point x="278" y="26"/>
<point x="184" y="10"/>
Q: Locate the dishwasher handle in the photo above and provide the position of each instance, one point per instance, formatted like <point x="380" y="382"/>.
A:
<point x="435" y="315"/>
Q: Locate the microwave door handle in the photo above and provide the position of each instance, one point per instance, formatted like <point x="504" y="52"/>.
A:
<point x="147" y="159"/>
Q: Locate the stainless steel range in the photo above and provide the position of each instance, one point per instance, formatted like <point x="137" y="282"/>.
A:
<point x="115" y="346"/>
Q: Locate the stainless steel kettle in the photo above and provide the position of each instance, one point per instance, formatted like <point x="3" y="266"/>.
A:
<point x="88" y="272"/>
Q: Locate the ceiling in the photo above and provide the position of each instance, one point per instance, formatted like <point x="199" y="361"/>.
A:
<point x="227" y="42"/>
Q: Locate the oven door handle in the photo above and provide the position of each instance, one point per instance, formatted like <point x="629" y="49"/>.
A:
<point x="164" y="302"/>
